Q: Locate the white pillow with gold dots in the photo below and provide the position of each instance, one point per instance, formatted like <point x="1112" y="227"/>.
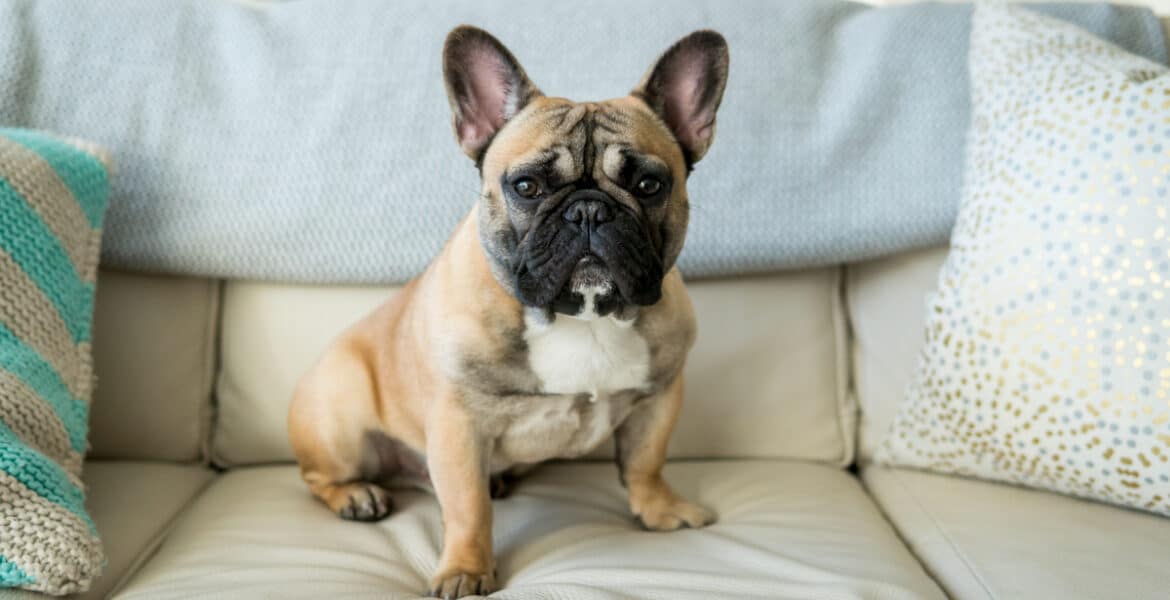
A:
<point x="1047" y="353"/>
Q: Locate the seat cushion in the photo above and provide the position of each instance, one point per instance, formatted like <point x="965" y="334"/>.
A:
<point x="766" y="378"/>
<point x="132" y="503"/>
<point x="785" y="529"/>
<point x="992" y="540"/>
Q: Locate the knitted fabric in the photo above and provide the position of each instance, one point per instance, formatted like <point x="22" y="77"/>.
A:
<point x="294" y="141"/>
<point x="53" y="195"/>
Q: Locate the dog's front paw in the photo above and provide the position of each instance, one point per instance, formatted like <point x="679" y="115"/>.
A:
<point x="667" y="512"/>
<point x="457" y="584"/>
<point x="361" y="501"/>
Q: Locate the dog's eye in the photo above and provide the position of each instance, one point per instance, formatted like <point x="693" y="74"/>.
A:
<point x="526" y="187"/>
<point x="649" y="186"/>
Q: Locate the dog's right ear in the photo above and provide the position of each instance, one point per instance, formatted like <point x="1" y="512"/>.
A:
<point x="486" y="86"/>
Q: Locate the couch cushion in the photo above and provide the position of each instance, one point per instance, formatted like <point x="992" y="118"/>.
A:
<point x="154" y="359"/>
<point x="991" y="540"/>
<point x="886" y="300"/>
<point x="132" y="503"/>
<point x="786" y="529"/>
<point x="765" y="379"/>
<point x="272" y="334"/>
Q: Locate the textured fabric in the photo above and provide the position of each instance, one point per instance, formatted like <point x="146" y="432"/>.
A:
<point x="887" y="305"/>
<point x="786" y="530"/>
<point x="1046" y="358"/>
<point x="294" y="141"/>
<point x="765" y="379"/>
<point x="154" y="345"/>
<point x="53" y="195"/>
<point x="991" y="541"/>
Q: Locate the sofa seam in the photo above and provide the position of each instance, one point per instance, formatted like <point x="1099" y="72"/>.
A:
<point x="150" y="549"/>
<point x="967" y="562"/>
<point x="210" y="367"/>
<point x="846" y="410"/>
<point x="848" y="280"/>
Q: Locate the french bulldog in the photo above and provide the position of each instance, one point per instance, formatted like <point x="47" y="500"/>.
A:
<point x="553" y="318"/>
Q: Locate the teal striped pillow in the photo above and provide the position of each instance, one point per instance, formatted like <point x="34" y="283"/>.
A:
<point x="53" y="195"/>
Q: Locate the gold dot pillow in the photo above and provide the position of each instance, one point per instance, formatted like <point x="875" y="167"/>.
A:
<point x="1047" y="353"/>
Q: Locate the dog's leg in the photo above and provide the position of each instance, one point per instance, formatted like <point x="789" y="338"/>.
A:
<point x="458" y="463"/>
<point x="332" y="412"/>
<point x="640" y="453"/>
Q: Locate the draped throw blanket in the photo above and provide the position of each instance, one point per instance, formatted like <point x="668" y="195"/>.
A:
<point x="53" y="195"/>
<point x="302" y="142"/>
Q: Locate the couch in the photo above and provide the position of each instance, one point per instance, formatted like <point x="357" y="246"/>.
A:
<point x="794" y="380"/>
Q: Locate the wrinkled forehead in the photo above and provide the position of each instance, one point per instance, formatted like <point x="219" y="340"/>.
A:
<point x="572" y="140"/>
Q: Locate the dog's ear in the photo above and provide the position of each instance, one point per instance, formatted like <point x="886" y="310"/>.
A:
<point x="685" y="87"/>
<point x="486" y="86"/>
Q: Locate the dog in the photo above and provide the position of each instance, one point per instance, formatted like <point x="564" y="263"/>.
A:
<point x="553" y="318"/>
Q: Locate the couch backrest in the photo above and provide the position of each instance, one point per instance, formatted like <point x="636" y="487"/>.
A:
<point x="154" y="348"/>
<point x="886" y="301"/>
<point x="767" y="377"/>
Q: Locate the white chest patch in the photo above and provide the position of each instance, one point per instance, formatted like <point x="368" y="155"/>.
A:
<point x="595" y="356"/>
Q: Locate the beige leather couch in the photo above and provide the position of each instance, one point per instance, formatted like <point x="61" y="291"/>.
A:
<point x="794" y="379"/>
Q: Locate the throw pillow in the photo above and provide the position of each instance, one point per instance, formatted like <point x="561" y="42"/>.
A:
<point x="1047" y="353"/>
<point x="53" y="194"/>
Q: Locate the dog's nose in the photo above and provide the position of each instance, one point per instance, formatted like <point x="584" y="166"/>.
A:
<point x="591" y="208"/>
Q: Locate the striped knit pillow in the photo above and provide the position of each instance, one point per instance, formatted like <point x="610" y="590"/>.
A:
<point x="53" y="194"/>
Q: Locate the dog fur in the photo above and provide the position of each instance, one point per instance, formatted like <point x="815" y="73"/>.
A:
<point x="544" y="325"/>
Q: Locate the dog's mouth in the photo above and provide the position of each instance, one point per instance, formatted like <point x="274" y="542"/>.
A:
<point x="597" y="268"/>
<point x="590" y="291"/>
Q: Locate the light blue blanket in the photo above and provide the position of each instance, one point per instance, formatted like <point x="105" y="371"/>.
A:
<point x="310" y="141"/>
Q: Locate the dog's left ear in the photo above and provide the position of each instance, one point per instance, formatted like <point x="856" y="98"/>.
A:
<point x="486" y="86"/>
<point x="685" y="87"/>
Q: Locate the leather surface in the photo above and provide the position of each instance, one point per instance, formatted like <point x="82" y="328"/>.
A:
<point x="765" y="379"/>
<point x="989" y="540"/>
<point x="132" y="504"/>
<point x="886" y="300"/>
<point x="272" y="334"/>
<point x="785" y="530"/>
<point x="154" y="344"/>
